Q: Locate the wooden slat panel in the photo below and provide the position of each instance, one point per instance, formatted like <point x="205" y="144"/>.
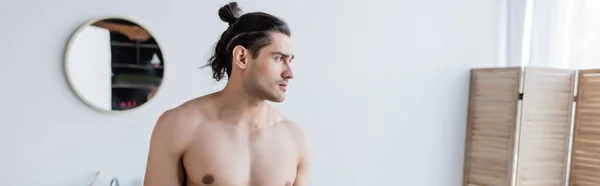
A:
<point x="493" y="105"/>
<point x="585" y="156"/>
<point x="546" y="112"/>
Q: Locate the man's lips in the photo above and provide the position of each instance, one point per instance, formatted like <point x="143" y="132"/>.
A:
<point x="283" y="86"/>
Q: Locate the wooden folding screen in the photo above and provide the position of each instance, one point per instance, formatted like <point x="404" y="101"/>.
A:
<point x="585" y="155"/>
<point x="528" y="109"/>
<point x="493" y="105"/>
<point x="545" y="126"/>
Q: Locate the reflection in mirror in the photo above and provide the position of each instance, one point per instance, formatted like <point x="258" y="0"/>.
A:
<point x="114" y="64"/>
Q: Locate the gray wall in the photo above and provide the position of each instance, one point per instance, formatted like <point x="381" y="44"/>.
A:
<point x="381" y="87"/>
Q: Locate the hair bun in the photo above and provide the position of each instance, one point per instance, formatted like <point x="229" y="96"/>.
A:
<point x="230" y="12"/>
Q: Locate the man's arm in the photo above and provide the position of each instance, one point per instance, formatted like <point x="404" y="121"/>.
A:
<point x="167" y="144"/>
<point x="303" y="168"/>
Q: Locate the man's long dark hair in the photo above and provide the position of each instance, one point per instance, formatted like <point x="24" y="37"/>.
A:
<point x="252" y="31"/>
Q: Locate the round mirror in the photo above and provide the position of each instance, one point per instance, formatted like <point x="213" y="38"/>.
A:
<point x="114" y="64"/>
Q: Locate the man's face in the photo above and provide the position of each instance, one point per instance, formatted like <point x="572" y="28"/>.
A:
<point x="269" y="72"/>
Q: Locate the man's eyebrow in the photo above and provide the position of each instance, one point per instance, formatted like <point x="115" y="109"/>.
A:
<point x="283" y="54"/>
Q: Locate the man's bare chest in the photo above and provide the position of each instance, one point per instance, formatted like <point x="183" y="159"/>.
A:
<point x="227" y="159"/>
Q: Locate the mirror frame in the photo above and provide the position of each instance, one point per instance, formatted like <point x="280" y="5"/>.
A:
<point x="69" y="78"/>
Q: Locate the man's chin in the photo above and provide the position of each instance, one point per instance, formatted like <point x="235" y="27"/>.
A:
<point x="277" y="99"/>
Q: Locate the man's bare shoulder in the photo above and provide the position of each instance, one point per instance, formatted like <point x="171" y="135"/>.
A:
<point x="183" y="119"/>
<point x="299" y="135"/>
<point x="297" y="132"/>
<point x="179" y="115"/>
<point x="188" y="112"/>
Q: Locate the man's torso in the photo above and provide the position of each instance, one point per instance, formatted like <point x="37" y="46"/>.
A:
<point x="232" y="155"/>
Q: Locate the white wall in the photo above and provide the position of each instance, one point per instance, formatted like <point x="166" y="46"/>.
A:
<point x="381" y="87"/>
<point x="515" y="30"/>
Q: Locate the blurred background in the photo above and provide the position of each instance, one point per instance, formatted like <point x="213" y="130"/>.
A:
<point x="381" y="87"/>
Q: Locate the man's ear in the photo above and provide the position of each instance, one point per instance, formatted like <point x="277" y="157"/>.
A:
<point x="240" y="57"/>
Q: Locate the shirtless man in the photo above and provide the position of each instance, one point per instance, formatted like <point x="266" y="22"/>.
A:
<point x="233" y="137"/>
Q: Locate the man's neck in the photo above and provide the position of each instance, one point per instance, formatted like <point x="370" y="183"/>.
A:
<point x="238" y="107"/>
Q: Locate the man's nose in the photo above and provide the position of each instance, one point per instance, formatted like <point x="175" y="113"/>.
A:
<point x="288" y="74"/>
